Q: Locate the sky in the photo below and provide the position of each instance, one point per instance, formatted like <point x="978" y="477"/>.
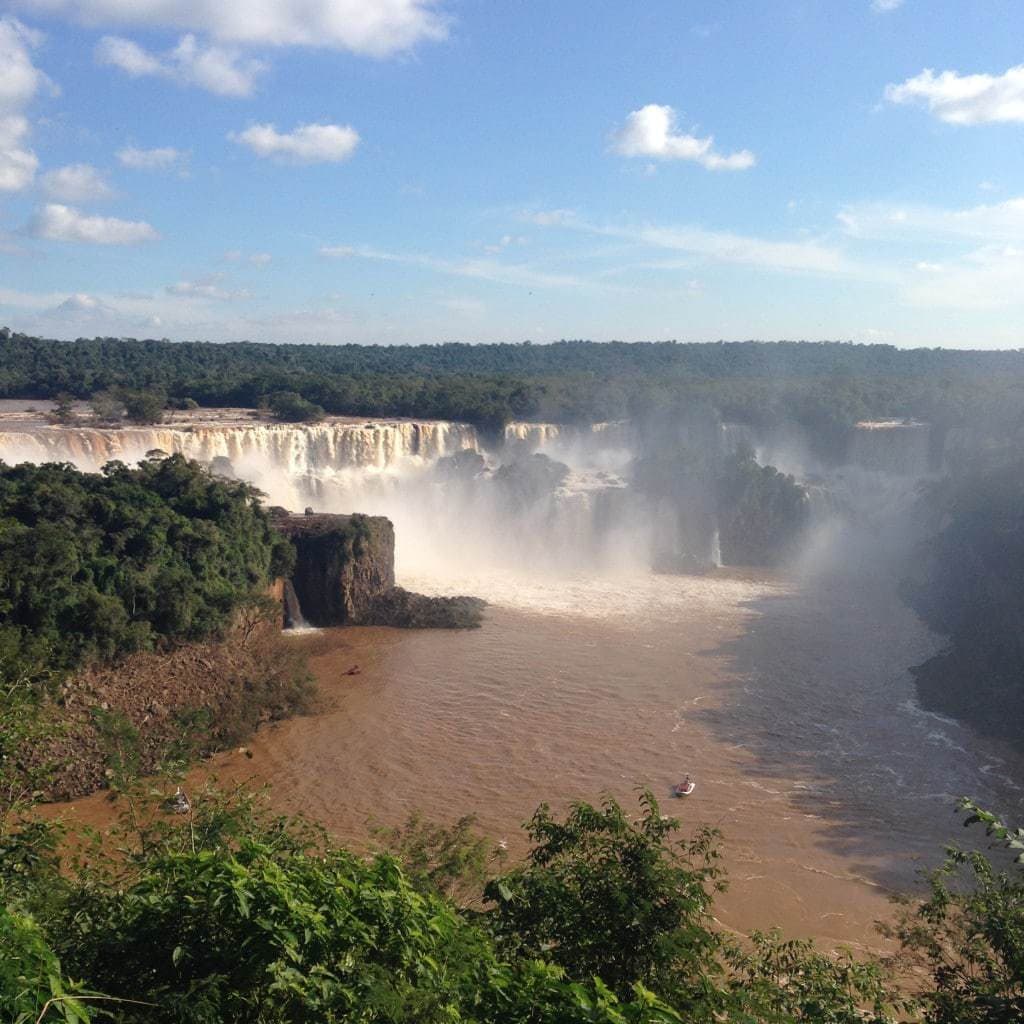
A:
<point x="404" y="171"/>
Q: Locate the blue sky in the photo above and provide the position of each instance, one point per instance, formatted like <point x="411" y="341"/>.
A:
<point x="399" y="171"/>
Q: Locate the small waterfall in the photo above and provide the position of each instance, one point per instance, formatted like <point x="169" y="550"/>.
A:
<point x="293" y="618"/>
<point x="716" y="549"/>
<point x="529" y="437"/>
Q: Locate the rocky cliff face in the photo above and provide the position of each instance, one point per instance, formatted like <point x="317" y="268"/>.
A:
<point x="343" y="565"/>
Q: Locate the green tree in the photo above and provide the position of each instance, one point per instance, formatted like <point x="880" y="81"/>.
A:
<point x="604" y="896"/>
<point x="144" y="406"/>
<point x="291" y="407"/>
<point x="968" y="935"/>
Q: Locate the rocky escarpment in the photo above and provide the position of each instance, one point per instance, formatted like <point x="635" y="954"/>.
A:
<point x="342" y="564"/>
<point x="344" y="575"/>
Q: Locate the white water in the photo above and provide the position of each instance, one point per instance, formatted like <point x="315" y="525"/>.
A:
<point x="486" y="518"/>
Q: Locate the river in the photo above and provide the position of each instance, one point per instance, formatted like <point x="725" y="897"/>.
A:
<point x="788" y="697"/>
<point x="788" y="700"/>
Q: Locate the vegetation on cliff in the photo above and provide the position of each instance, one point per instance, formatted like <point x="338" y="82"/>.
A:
<point x="133" y="608"/>
<point x="762" y="512"/>
<point x="94" y="566"/>
<point x="233" y="916"/>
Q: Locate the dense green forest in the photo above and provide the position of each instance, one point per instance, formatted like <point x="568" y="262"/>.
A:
<point x="93" y="566"/>
<point x="234" y="917"/>
<point x="823" y="386"/>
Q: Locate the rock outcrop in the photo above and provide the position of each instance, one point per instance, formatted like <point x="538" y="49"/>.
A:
<point x="345" y="576"/>
<point x="343" y="564"/>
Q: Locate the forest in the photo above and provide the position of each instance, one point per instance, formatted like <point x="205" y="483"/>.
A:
<point x="825" y="387"/>
<point x="94" y="566"/>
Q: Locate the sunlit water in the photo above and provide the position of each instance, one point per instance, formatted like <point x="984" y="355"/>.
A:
<point x="788" y="700"/>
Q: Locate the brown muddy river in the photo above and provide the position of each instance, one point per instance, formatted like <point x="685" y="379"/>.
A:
<point x="790" y="705"/>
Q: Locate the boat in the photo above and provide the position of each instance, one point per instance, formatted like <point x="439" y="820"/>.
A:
<point x="684" y="788"/>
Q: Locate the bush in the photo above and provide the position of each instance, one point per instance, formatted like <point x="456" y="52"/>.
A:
<point x="291" y="407"/>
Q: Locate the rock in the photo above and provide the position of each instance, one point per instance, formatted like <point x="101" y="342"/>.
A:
<point x="342" y="564"/>
<point x="402" y="608"/>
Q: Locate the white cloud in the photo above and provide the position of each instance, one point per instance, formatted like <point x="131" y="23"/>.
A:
<point x="991" y="277"/>
<point x="517" y="275"/>
<point x="990" y="222"/>
<point x="206" y="288"/>
<point x="885" y="6"/>
<point x="464" y="306"/>
<point x="377" y="28"/>
<point x="308" y="144"/>
<point x="76" y="183"/>
<point x="80" y="303"/>
<point x="65" y="224"/>
<point x="20" y="82"/>
<point x="260" y="259"/>
<point x="504" y="243"/>
<point x="220" y="71"/>
<point x="149" y="159"/>
<point x="18" y="164"/>
<point x="965" y="99"/>
<point x="651" y="132"/>
<point x="548" y="218"/>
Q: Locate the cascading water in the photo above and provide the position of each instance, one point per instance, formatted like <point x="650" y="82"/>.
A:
<point x="503" y="511"/>
<point x="294" y="620"/>
<point x="553" y="499"/>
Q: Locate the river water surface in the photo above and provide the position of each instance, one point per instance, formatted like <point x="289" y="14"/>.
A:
<point x="788" y="700"/>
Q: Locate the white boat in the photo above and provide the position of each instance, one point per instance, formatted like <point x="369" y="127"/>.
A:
<point x="684" y="789"/>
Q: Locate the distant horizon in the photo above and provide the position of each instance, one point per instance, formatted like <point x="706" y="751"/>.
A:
<point x="522" y="342"/>
<point x="525" y="341"/>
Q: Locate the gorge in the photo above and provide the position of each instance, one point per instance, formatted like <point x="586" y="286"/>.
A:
<point x="591" y="674"/>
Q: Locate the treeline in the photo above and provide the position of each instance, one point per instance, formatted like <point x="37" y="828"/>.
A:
<point x="232" y="917"/>
<point x="824" y="387"/>
<point x="94" y="566"/>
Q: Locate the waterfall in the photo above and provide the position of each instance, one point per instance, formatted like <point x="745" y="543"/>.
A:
<point x="293" y="617"/>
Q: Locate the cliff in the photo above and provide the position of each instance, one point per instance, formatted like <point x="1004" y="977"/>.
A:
<point x="345" y="576"/>
<point x="343" y="564"/>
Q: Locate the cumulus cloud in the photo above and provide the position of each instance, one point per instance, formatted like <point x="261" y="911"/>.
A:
<point x="149" y="159"/>
<point x="18" y="163"/>
<point x="308" y="144"/>
<point x="965" y="99"/>
<point x="377" y="28"/>
<point x="20" y="82"/>
<point x="60" y="223"/>
<point x="218" y="70"/>
<point x="885" y="6"/>
<point x="76" y="183"/>
<point x="651" y="132"/>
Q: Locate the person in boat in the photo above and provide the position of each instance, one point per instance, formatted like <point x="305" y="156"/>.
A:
<point x="684" y="786"/>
